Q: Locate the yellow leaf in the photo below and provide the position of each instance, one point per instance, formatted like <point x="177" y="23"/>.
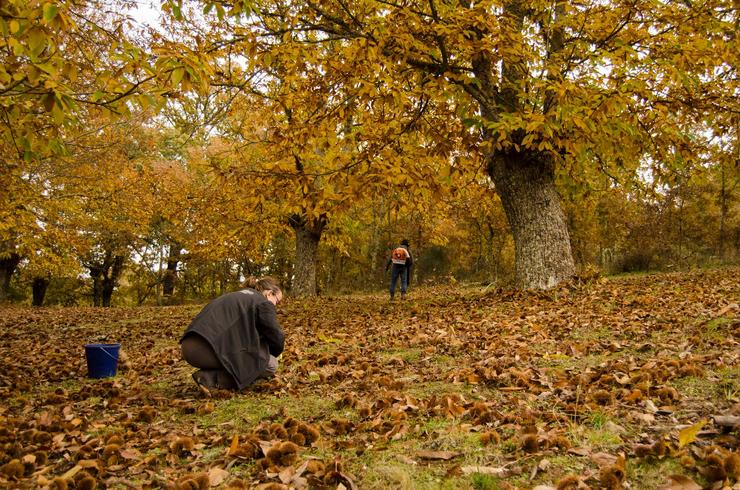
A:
<point x="234" y="445"/>
<point x="71" y="472"/>
<point x="688" y="435"/>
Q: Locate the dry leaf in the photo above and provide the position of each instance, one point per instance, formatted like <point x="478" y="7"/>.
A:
<point x="485" y="470"/>
<point x="405" y="459"/>
<point x="216" y="476"/>
<point x="603" y="459"/>
<point x="286" y="475"/>
<point x="580" y="451"/>
<point x="131" y="453"/>
<point x="730" y="421"/>
<point x="679" y="482"/>
<point x="71" y="472"/>
<point x="438" y="455"/>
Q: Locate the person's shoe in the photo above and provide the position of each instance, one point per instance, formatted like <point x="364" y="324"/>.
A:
<point x="403" y="296"/>
<point x="206" y="381"/>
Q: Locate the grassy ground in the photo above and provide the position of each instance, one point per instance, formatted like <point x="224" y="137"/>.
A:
<point x="594" y="384"/>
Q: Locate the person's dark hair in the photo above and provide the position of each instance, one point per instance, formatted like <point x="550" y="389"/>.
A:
<point x="405" y="242"/>
<point x="266" y="283"/>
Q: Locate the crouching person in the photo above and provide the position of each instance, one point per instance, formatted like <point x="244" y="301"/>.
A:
<point x="236" y="338"/>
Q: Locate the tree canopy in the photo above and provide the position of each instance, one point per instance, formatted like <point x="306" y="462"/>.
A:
<point x="540" y="138"/>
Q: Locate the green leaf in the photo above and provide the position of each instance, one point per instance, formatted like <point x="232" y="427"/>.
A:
<point x="470" y="122"/>
<point x="177" y="75"/>
<point x="36" y="40"/>
<point x="46" y="68"/>
<point x="50" y="11"/>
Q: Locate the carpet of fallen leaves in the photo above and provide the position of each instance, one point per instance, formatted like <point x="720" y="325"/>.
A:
<point x="629" y="382"/>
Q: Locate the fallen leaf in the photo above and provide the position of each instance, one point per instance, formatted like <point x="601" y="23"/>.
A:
<point x="438" y="455"/>
<point x="485" y="470"/>
<point x="688" y="435"/>
<point x="234" y="446"/>
<point x="87" y="463"/>
<point x="286" y="475"/>
<point x="650" y="406"/>
<point x="648" y="418"/>
<point x="603" y="459"/>
<point x="580" y="451"/>
<point x="405" y="459"/>
<point x="216" y="476"/>
<point x="71" y="472"/>
<point x="730" y="421"/>
<point x="45" y="419"/>
<point x="131" y="453"/>
<point x="679" y="482"/>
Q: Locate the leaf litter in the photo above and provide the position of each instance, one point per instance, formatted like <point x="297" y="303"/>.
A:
<point x="571" y="388"/>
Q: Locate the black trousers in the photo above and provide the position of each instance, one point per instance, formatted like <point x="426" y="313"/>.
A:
<point x="197" y="352"/>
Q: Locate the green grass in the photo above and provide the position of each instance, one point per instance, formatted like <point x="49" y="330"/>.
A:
<point x="716" y="329"/>
<point x="409" y="355"/>
<point x="650" y="473"/>
<point x="727" y="386"/>
<point x="247" y="411"/>
<point x="595" y="434"/>
<point x="439" y="388"/>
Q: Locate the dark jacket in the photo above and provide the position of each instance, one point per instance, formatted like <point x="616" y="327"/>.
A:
<point x="243" y="330"/>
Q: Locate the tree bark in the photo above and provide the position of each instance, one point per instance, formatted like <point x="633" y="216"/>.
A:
<point x="307" y="238"/>
<point x="723" y="208"/>
<point x="105" y="274"/>
<point x="8" y="266"/>
<point x="39" y="286"/>
<point x="97" y="277"/>
<point x="525" y="183"/>
<point x="170" y="275"/>
<point x="111" y="280"/>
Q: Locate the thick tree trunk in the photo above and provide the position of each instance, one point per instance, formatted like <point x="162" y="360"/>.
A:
<point x="7" y="269"/>
<point x="39" y="286"/>
<point x="97" y="277"/>
<point x="105" y="276"/>
<point x="526" y="185"/>
<point x="170" y="275"/>
<point x="110" y="280"/>
<point x="723" y="208"/>
<point x="307" y="238"/>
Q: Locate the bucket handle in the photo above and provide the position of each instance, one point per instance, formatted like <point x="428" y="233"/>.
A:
<point x="108" y="353"/>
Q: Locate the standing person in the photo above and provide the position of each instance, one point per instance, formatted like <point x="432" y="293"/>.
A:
<point x="409" y="262"/>
<point x="400" y="261"/>
<point x="236" y="338"/>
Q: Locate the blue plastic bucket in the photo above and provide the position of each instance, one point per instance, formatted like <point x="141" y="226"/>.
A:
<point x="102" y="360"/>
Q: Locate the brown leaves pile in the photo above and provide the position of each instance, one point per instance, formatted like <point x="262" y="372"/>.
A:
<point x="515" y="371"/>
